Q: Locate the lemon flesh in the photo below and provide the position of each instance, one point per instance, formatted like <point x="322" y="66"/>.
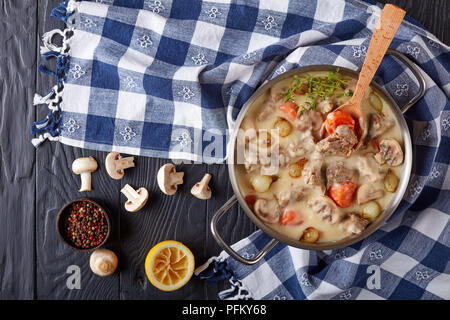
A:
<point x="169" y="265"/>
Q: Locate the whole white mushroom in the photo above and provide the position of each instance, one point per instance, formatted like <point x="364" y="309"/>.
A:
<point x="103" y="262"/>
<point x="84" y="166"/>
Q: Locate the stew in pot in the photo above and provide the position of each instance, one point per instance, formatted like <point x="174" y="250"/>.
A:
<point x="301" y="171"/>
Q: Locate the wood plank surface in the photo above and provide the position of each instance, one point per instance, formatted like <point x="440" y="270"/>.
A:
<point x="36" y="184"/>
<point x="17" y="157"/>
<point x="432" y="14"/>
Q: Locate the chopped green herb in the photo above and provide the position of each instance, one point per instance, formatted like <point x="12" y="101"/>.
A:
<point x="318" y="88"/>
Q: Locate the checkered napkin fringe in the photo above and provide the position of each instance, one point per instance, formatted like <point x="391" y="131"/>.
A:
<point x="149" y="77"/>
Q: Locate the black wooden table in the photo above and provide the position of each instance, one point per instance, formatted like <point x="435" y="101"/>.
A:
<point x="35" y="184"/>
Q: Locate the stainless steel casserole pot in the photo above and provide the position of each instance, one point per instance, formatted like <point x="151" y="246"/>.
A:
<point x="278" y="237"/>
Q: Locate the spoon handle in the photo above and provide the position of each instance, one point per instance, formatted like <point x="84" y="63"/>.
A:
<point x="390" y="19"/>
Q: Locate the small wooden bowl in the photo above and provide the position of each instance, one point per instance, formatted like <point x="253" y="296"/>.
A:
<point x="60" y="225"/>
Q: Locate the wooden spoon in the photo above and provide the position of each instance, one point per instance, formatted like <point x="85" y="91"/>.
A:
<point x="390" y="19"/>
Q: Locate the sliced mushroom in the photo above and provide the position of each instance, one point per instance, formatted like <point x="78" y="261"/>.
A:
<point x="355" y="223"/>
<point x="379" y="124"/>
<point x="136" y="198"/>
<point x="267" y="210"/>
<point x="115" y="165"/>
<point x="103" y="262"/>
<point x="341" y="142"/>
<point x="201" y="189"/>
<point x="390" y="152"/>
<point x="84" y="167"/>
<point x="169" y="179"/>
<point x="368" y="192"/>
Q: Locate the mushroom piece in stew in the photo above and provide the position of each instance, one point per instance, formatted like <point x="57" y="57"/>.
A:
<point x="321" y="188"/>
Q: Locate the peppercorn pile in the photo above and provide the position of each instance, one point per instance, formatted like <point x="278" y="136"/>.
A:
<point x="85" y="225"/>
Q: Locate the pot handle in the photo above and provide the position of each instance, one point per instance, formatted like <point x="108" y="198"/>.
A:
<point x="225" y="246"/>
<point x="416" y="72"/>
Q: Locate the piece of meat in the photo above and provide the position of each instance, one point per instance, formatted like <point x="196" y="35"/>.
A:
<point x="303" y="146"/>
<point x="355" y="223"/>
<point x="369" y="169"/>
<point x="325" y="208"/>
<point x="309" y="120"/>
<point x="341" y="142"/>
<point x="337" y="172"/>
<point x="379" y="124"/>
<point x="312" y="173"/>
<point x="293" y="193"/>
<point x="267" y="210"/>
<point x="368" y="192"/>
<point x="296" y="150"/>
<point x="390" y="152"/>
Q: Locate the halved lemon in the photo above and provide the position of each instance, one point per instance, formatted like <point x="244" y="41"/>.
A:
<point x="169" y="265"/>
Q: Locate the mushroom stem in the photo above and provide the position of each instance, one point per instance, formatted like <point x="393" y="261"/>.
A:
<point x="85" y="181"/>
<point x="129" y="192"/>
<point x="125" y="163"/>
<point x="176" y="178"/>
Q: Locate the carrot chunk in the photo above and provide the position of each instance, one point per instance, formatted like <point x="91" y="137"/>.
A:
<point x="290" y="217"/>
<point x="343" y="193"/>
<point x="338" y="118"/>
<point x="289" y="108"/>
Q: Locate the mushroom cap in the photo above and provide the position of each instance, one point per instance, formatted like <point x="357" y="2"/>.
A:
<point x="267" y="210"/>
<point x="139" y="203"/>
<point x="165" y="182"/>
<point x="111" y="167"/>
<point x="390" y="152"/>
<point x="103" y="262"/>
<point x="85" y="164"/>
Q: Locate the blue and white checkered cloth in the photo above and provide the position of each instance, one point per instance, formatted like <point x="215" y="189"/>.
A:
<point x="167" y="78"/>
